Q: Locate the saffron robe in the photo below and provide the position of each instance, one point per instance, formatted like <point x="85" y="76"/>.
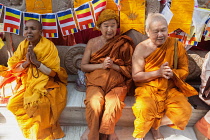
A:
<point x="202" y="126"/>
<point x="39" y="99"/>
<point x="107" y="88"/>
<point x="160" y="96"/>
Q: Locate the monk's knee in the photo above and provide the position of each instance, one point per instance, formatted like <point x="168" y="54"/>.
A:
<point x="10" y="106"/>
<point x="186" y="109"/>
<point x="142" y="109"/>
<point x="95" y="103"/>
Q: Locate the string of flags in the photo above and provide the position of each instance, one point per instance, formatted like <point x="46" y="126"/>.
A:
<point x="70" y="20"/>
<point x="184" y="37"/>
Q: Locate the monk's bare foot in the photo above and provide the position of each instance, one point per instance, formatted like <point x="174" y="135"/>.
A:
<point x="85" y="134"/>
<point x="156" y="134"/>
<point x="103" y="137"/>
<point x="113" y="137"/>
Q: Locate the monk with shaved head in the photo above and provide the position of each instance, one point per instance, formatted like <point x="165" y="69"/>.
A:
<point x="107" y="64"/>
<point x="159" y="80"/>
<point x="40" y="94"/>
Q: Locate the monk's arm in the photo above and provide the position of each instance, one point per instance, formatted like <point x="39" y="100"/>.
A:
<point x="138" y="64"/>
<point x="116" y="67"/>
<point x="85" y="64"/>
<point x="47" y="71"/>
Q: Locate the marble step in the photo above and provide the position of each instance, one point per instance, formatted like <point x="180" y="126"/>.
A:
<point x="11" y="132"/>
<point x="74" y="113"/>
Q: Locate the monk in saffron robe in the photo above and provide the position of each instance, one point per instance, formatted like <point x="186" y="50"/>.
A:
<point x="161" y="92"/>
<point x="40" y="94"/>
<point x="107" y="64"/>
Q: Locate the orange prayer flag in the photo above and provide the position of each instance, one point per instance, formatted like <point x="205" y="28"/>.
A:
<point x="111" y="5"/>
<point x="132" y="15"/>
<point x="183" y="12"/>
<point x="39" y="6"/>
<point x="78" y="3"/>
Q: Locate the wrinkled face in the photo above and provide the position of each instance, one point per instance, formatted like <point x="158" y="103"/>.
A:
<point x="32" y="32"/>
<point x="109" y="28"/>
<point x="158" y="32"/>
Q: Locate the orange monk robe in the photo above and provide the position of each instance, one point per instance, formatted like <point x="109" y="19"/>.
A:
<point x="2" y="69"/>
<point x="203" y="127"/>
<point x="107" y="88"/>
<point x="39" y="99"/>
<point x="161" y="96"/>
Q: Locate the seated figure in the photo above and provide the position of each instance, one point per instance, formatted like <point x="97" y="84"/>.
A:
<point x="202" y="127"/>
<point x="107" y="64"/>
<point x="161" y="92"/>
<point x="40" y="94"/>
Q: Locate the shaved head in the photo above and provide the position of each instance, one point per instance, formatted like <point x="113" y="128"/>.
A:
<point x="36" y="22"/>
<point x="154" y="17"/>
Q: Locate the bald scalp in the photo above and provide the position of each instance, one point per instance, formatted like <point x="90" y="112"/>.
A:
<point x="153" y="17"/>
<point x="39" y="24"/>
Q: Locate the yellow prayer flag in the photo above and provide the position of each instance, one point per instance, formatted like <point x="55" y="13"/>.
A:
<point x="1" y="43"/>
<point x="39" y="6"/>
<point x="132" y="15"/>
<point x="183" y="12"/>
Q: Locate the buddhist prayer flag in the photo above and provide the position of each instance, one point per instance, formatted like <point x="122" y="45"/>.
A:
<point x="183" y="13"/>
<point x="49" y="25"/>
<point x="207" y="30"/>
<point x="178" y="33"/>
<point x="1" y="8"/>
<point x="132" y="15"/>
<point x="117" y="2"/>
<point x="12" y="19"/>
<point x="39" y="6"/>
<point x="190" y="40"/>
<point x="184" y="38"/>
<point x="98" y="6"/>
<point x="110" y="4"/>
<point x="67" y="22"/>
<point x="78" y="3"/>
<point x="84" y="17"/>
<point x="27" y="16"/>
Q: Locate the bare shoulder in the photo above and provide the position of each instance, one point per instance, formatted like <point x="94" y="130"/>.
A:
<point x="141" y="49"/>
<point x="93" y="42"/>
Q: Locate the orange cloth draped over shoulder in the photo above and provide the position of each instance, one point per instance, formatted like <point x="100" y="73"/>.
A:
<point x="119" y="50"/>
<point x="39" y="99"/>
<point x="107" y="88"/>
<point x="161" y="96"/>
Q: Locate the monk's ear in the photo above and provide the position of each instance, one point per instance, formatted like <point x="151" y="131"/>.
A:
<point x="40" y="32"/>
<point x="147" y="31"/>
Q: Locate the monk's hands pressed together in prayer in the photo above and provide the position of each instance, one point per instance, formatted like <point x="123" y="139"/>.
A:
<point x="32" y="56"/>
<point x="107" y="63"/>
<point x="165" y="71"/>
<point x="27" y="62"/>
